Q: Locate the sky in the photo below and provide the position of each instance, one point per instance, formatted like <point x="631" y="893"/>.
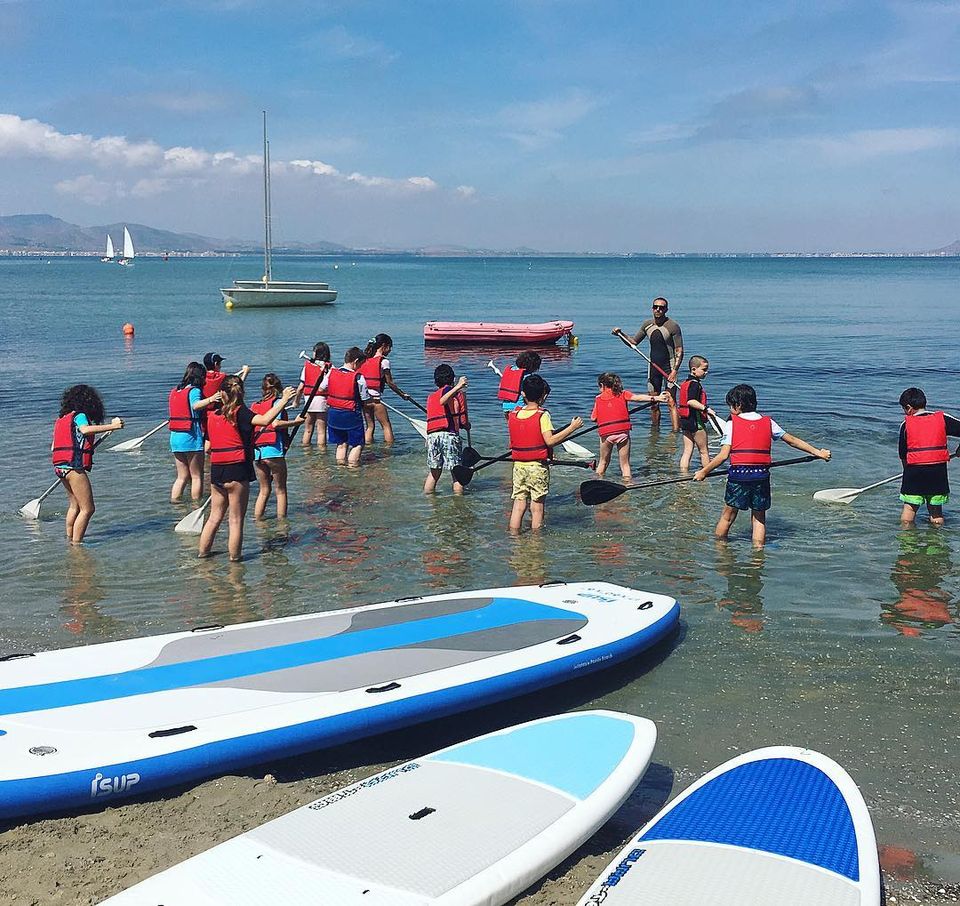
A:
<point x="553" y="124"/>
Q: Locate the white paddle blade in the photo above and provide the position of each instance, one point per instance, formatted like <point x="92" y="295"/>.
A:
<point x="574" y="449"/>
<point x="192" y="523"/>
<point x="127" y="445"/>
<point x="837" y="495"/>
<point x="421" y="427"/>
<point x="31" y="510"/>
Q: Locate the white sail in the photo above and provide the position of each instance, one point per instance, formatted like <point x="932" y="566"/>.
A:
<point x="109" y="252"/>
<point x="128" y="250"/>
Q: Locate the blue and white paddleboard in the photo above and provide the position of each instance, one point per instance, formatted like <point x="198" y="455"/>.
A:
<point x="86" y="725"/>
<point x="777" y="827"/>
<point x="472" y="824"/>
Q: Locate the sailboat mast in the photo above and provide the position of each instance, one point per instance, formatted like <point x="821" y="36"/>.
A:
<point x="266" y="202"/>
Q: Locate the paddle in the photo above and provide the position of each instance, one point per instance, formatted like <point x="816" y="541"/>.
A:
<point x="192" y="523"/>
<point x="31" y="510"/>
<point x="598" y="491"/>
<point x="417" y="423"/>
<point x="713" y="419"/>
<point x="568" y="445"/>
<point x="303" y="412"/>
<point x="848" y="495"/>
<point x="134" y="444"/>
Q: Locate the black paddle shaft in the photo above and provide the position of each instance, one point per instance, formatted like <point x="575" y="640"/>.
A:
<point x="303" y="412"/>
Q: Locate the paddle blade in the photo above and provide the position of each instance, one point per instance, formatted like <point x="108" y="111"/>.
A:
<point x="837" y="495"/>
<point x="420" y="426"/>
<point x="127" y="445"/>
<point x="470" y="457"/>
<point x="574" y="449"/>
<point x="31" y="510"/>
<point x="596" y="491"/>
<point x="192" y="523"/>
<point x="462" y="474"/>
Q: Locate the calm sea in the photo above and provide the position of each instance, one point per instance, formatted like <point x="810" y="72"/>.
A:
<point x="844" y="635"/>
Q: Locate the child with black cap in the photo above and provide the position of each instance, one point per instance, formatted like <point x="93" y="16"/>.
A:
<point x="211" y="361"/>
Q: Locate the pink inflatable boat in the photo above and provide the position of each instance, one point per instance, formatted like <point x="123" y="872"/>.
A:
<point x="490" y="332"/>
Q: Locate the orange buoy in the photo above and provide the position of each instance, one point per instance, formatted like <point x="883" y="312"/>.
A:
<point x="128" y="329"/>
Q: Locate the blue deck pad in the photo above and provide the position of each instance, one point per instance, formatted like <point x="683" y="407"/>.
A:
<point x="499" y="612"/>
<point x="777" y="805"/>
<point x="590" y="746"/>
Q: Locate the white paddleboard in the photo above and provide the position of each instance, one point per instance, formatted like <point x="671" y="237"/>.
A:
<point x="780" y="826"/>
<point x="86" y="725"/>
<point x="472" y="824"/>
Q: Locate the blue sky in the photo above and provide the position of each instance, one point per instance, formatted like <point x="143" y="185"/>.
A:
<point x="557" y="124"/>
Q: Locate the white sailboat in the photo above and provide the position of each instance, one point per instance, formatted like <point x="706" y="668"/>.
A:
<point x="267" y="292"/>
<point x="128" y="250"/>
<point x="109" y="254"/>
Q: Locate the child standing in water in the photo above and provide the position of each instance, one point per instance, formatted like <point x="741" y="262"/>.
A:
<point x="527" y="362"/>
<point x="531" y="439"/>
<point x="375" y="369"/>
<point x="81" y="416"/>
<point x="613" y="421"/>
<point x="693" y="411"/>
<point x="924" y="453"/>
<point x="312" y="374"/>
<point x="185" y="406"/>
<point x="747" y="442"/>
<point x="270" y="448"/>
<point x="346" y="393"/>
<point x="446" y="415"/>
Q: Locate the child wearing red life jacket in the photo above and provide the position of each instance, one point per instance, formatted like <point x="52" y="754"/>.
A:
<point x="527" y="362"/>
<point x="613" y="420"/>
<point x="231" y="433"/>
<point x="214" y="377"/>
<point x="81" y="416"/>
<point x="346" y="393"/>
<point x="747" y="442"/>
<point x="270" y="448"/>
<point x="186" y="407"/>
<point x="924" y="453"/>
<point x="693" y="410"/>
<point x="311" y="375"/>
<point x="375" y="369"/>
<point x="531" y="439"/>
<point x="446" y="415"/>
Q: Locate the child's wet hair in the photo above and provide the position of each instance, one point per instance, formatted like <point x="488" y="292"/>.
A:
<point x="612" y="381"/>
<point x="913" y="397"/>
<point x="443" y="375"/>
<point x="743" y="397"/>
<point x="377" y="342"/>
<point x="82" y="398"/>
<point x="321" y="352"/>
<point x="529" y="361"/>
<point x="353" y="354"/>
<point x="696" y="361"/>
<point x="535" y="388"/>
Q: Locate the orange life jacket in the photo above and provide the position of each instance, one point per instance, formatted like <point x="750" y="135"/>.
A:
<point x="181" y="414"/>
<point x="372" y="372"/>
<point x="751" y="441"/>
<point x="313" y="373"/>
<point x="226" y="443"/>
<point x="526" y="437"/>
<point x="926" y="439"/>
<point x="612" y="415"/>
<point x="342" y="389"/>
<point x="510" y="381"/>
<point x="683" y="403"/>
<point x="68" y="450"/>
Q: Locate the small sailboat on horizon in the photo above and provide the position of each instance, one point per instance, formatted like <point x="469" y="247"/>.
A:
<point x="129" y="253"/>
<point x="109" y="254"/>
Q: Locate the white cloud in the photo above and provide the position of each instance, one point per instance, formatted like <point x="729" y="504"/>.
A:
<point x="466" y="191"/>
<point x="32" y="138"/>
<point x="90" y="189"/>
<point x="533" y="124"/>
<point x="867" y="143"/>
<point x="338" y="43"/>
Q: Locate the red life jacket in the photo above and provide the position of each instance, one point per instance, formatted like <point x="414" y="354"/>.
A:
<point x="926" y="439"/>
<point x="212" y="382"/>
<point x="751" y="441"/>
<point x="226" y="444"/>
<point x="181" y="414"/>
<point x="460" y="401"/>
<point x="526" y="438"/>
<point x="510" y="382"/>
<point x="67" y="449"/>
<point x="372" y="372"/>
<point x="313" y="373"/>
<point x="441" y="417"/>
<point x="612" y="415"/>
<point x="268" y="435"/>
<point x="342" y="391"/>
<point x="683" y="403"/>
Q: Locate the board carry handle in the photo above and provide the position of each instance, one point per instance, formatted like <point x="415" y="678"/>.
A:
<point x="426" y="810"/>
<point x="552" y="582"/>
<point x="172" y="731"/>
<point x="389" y="687"/>
<point x="209" y="627"/>
<point x="569" y="640"/>
<point x="16" y="656"/>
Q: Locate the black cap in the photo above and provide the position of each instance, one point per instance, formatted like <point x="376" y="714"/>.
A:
<point x="212" y="360"/>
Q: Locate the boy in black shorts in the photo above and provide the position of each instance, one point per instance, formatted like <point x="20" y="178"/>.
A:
<point x="747" y="442"/>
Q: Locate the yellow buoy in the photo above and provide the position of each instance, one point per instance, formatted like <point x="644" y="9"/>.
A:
<point x="229" y="304"/>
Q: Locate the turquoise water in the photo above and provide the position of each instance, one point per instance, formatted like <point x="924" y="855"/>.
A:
<point x="842" y="635"/>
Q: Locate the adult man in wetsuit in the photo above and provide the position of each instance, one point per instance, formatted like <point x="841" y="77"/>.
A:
<point x="666" y="352"/>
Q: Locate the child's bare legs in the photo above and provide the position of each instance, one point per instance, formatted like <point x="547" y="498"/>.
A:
<point x="603" y="460"/>
<point x="700" y="441"/>
<point x="306" y="434"/>
<point x="517" y="514"/>
<point x="195" y="463"/>
<point x="341" y="454"/>
<point x="908" y="515"/>
<point x="537" y="513"/>
<point x="353" y="457"/>
<point x="239" y="495"/>
<point x="725" y="523"/>
<point x="218" y="509"/>
<point x="321" y="420"/>
<point x="758" y="522"/>
<point x="265" y="481"/>
<point x="623" y="448"/>
<point x="189" y="468"/>
<point x="183" y="476"/>
<point x="433" y="476"/>
<point x="376" y="413"/>
<point x="457" y="487"/>
<point x="80" y="508"/>
<point x="935" y="513"/>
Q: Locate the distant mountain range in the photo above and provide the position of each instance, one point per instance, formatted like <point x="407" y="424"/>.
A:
<point x="39" y="233"/>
